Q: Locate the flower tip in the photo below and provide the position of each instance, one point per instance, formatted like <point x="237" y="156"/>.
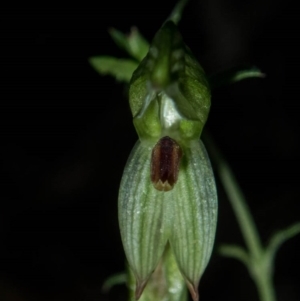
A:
<point x="140" y="285"/>
<point x="193" y="288"/>
<point x="163" y="186"/>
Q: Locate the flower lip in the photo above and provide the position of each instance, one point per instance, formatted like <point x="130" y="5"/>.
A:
<point x="165" y="161"/>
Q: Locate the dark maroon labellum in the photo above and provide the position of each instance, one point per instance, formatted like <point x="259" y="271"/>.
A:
<point x="165" y="161"/>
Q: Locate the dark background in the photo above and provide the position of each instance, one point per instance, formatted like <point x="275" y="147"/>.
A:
<point x="66" y="133"/>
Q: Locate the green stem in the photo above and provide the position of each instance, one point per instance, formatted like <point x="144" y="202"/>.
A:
<point x="257" y="265"/>
<point x="241" y="210"/>
<point x="265" y="287"/>
<point x="237" y="200"/>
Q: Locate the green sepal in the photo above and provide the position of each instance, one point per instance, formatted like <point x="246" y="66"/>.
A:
<point x="169" y="69"/>
<point x="185" y="216"/>
<point x="195" y="215"/>
<point x="142" y="215"/>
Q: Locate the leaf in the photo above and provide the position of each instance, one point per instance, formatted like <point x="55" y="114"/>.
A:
<point x="120" y="39"/>
<point x="236" y="252"/>
<point x="134" y="43"/>
<point x="234" y="75"/>
<point x="113" y="280"/>
<point x="279" y="238"/>
<point x="120" y="69"/>
<point x="138" y="45"/>
<point x="176" y="13"/>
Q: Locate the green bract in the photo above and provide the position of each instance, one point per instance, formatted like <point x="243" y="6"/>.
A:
<point x="169" y="93"/>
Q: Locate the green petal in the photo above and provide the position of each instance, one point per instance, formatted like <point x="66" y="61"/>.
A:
<point x="142" y="215"/>
<point x="194" y="215"/>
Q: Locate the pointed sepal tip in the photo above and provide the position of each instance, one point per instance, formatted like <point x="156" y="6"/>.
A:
<point x="140" y="286"/>
<point x="193" y="288"/>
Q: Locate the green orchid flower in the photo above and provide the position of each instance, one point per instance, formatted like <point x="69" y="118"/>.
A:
<point x="167" y="194"/>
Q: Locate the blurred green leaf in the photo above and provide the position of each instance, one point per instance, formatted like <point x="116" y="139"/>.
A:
<point x="121" y="69"/>
<point x="176" y="13"/>
<point x="120" y="39"/>
<point x="113" y="280"/>
<point x="134" y="43"/>
<point x="234" y="75"/>
<point x="279" y="238"/>
<point x="236" y="252"/>
<point x="138" y="45"/>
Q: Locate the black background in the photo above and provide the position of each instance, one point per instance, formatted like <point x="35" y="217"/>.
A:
<point x="66" y="133"/>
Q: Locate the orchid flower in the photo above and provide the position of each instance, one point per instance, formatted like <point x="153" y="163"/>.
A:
<point x="167" y="196"/>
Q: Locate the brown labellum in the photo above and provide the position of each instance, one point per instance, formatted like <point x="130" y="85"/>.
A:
<point x="165" y="161"/>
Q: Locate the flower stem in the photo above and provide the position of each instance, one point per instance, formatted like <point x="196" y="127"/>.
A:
<point x="258" y="263"/>
<point x="237" y="200"/>
<point x="265" y="287"/>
